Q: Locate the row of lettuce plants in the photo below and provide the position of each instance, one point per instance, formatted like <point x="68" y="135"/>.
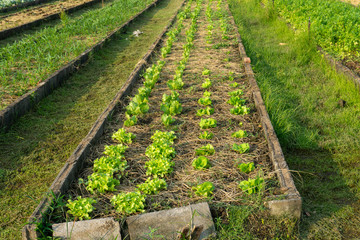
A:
<point x="111" y="167"/>
<point x="239" y="107"/>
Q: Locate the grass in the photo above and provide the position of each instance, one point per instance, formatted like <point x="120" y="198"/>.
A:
<point x="36" y="147"/>
<point x="320" y="137"/>
<point x="32" y="59"/>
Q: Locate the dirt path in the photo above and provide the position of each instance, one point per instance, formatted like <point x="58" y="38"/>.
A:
<point x="33" y="14"/>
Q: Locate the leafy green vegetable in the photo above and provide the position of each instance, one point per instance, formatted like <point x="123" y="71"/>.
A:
<point x="159" y="167"/>
<point x="152" y="186"/>
<point x="135" y="108"/>
<point x="115" y="150"/>
<point x="239" y="134"/>
<point x="234" y="84"/>
<point x="206" y="111"/>
<point x="205" y="190"/>
<point x="246" y="167"/>
<point x="236" y="101"/>
<point x="207" y="123"/>
<point x="123" y="137"/>
<point x="110" y="165"/>
<point x="205" y="101"/>
<point x="206" y="135"/>
<point x="252" y="185"/>
<point x="207" y="83"/>
<point x="167" y="119"/>
<point x="205" y="150"/>
<point x="130" y="121"/>
<point x="206" y="72"/>
<point x="101" y="182"/>
<point x="237" y="93"/>
<point x="207" y="94"/>
<point x="241" y="148"/>
<point x="128" y="203"/>
<point x="240" y="110"/>
<point x="172" y="108"/>
<point x="201" y="163"/>
<point x="160" y="153"/>
<point x="175" y="84"/>
<point x="81" y="208"/>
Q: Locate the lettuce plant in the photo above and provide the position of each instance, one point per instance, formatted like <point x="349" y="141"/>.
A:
<point x="205" y="190"/>
<point x="241" y="148"/>
<point x="240" y="110"/>
<point x="234" y="84"/>
<point x="115" y="150"/>
<point x="205" y="101"/>
<point x="130" y="120"/>
<point x="207" y="123"/>
<point x="236" y="101"/>
<point x="159" y="167"/>
<point x="109" y="165"/>
<point x="81" y="208"/>
<point x="152" y="186"/>
<point x="246" y="167"/>
<point x="167" y="120"/>
<point x="239" y="134"/>
<point x="252" y="185"/>
<point x="206" y="72"/>
<point x="205" y="150"/>
<point x="201" y="163"/>
<point x="237" y="93"/>
<point x="128" y="203"/>
<point x="207" y="111"/>
<point x="207" y="83"/>
<point x="123" y="137"/>
<point x="101" y="182"/>
<point x="206" y="135"/>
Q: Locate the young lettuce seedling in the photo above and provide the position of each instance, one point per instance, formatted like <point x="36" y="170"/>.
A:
<point x="205" y="190"/>
<point x="201" y="163"/>
<point x="81" y="208"/>
<point x="241" y="148"/>
<point x="205" y="150"/>
<point x="206" y="135"/>
<point x="246" y="167"/>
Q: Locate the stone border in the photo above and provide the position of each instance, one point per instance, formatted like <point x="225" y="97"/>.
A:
<point x="23" y="5"/>
<point x="23" y="104"/>
<point x="292" y="203"/>
<point x="75" y="162"/>
<point x="12" y="31"/>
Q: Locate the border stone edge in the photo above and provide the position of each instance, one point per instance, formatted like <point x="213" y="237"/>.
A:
<point x="292" y="204"/>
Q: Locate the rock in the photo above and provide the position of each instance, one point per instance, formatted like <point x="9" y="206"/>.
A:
<point x="103" y="228"/>
<point x="193" y="220"/>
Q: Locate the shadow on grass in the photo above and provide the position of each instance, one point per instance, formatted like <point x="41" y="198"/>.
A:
<point x="319" y="137"/>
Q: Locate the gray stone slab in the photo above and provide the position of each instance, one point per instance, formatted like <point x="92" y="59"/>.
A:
<point x="169" y="223"/>
<point x="96" y="229"/>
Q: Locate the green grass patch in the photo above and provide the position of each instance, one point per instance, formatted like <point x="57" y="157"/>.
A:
<point x="35" y="149"/>
<point x="320" y="134"/>
<point x="335" y="25"/>
<point x="32" y="59"/>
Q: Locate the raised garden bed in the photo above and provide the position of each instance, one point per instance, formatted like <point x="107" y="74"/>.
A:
<point x="195" y="127"/>
<point x="23" y="104"/>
